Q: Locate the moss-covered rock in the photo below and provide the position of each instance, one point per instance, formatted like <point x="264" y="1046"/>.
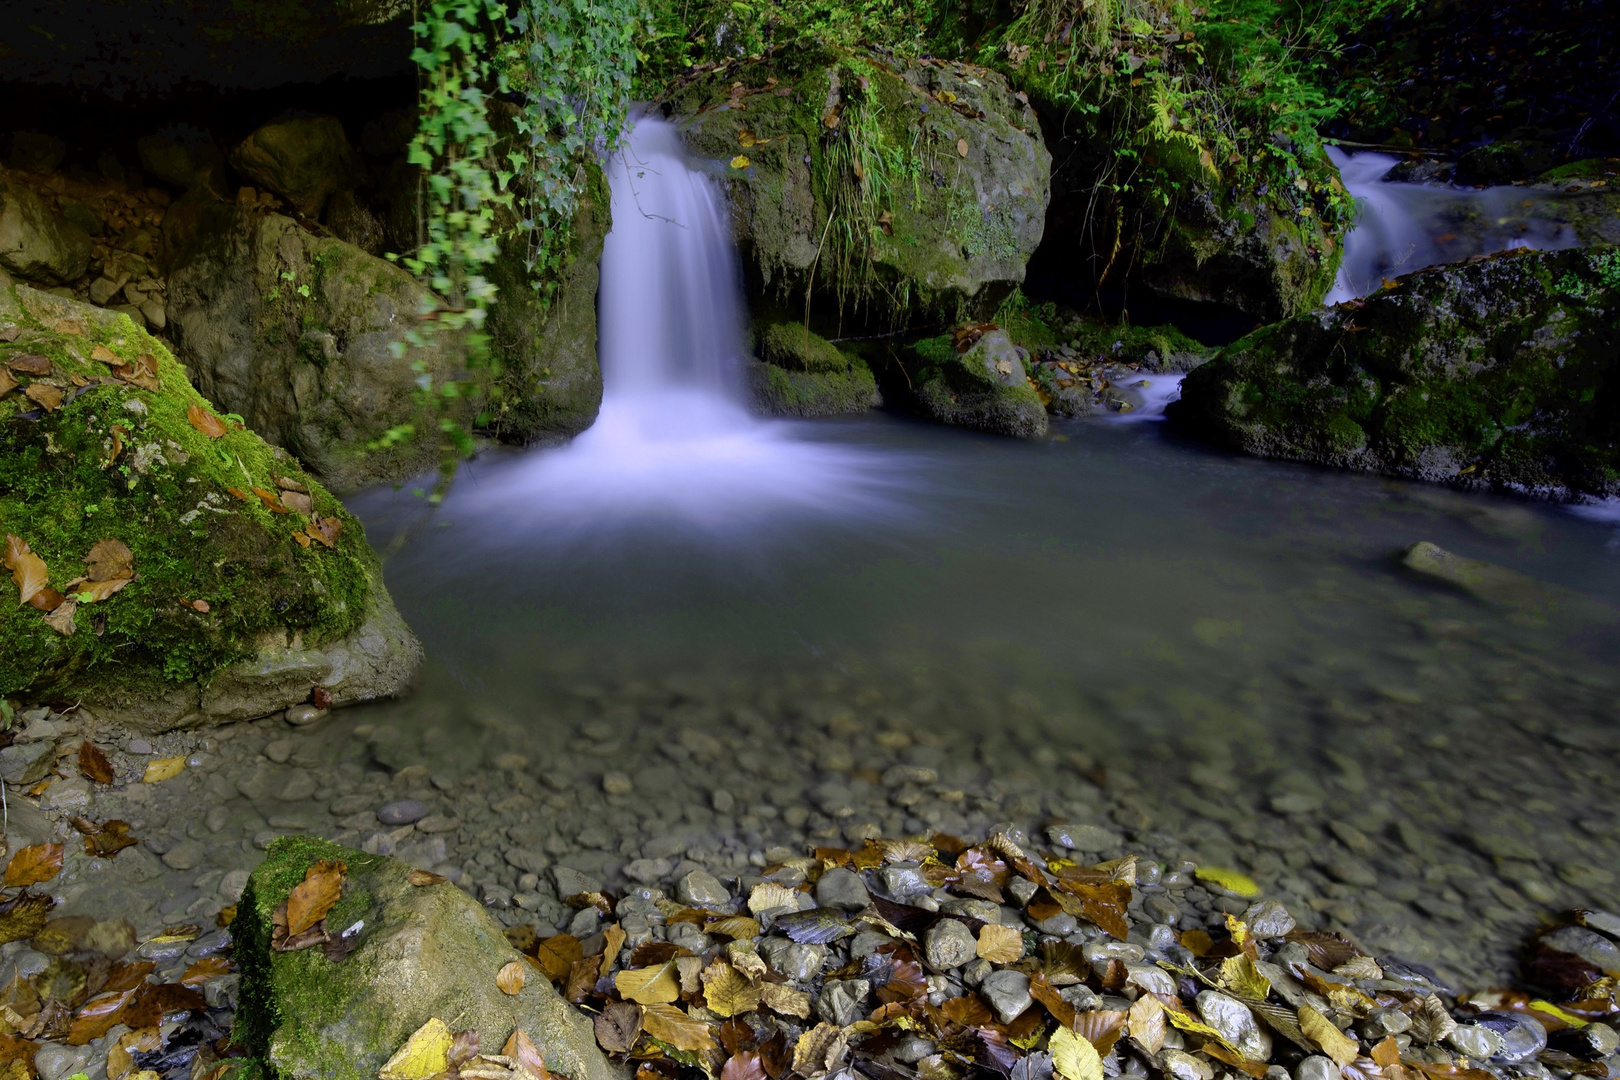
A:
<point x="297" y="333"/>
<point x="1502" y="372"/>
<point x="984" y="387"/>
<point x="303" y="159"/>
<point x="419" y="952"/>
<point x="550" y="383"/>
<point x="890" y="190"/>
<point x="228" y="615"/>
<point x="801" y="373"/>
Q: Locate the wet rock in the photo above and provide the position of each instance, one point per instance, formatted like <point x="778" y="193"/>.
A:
<point x="800" y="373"/>
<point x="1406" y="394"/>
<point x="1594" y="948"/>
<point x="985" y="387"/>
<point x="421" y="952"/>
<point x="1317" y="1067"/>
<point x="1006" y="992"/>
<point x="701" y="889"/>
<point x="799" y="962"/>
<point x="55" y="1060"/>
<point x="949" y="944"/>
<point x="1268" y="919"/>
<point x="27" y="763"/>
<point x="1476" y="1040"/>
<point x="304" y="160"/>
<point x="402" y="812"/>
<point x="37" y="244"/>
<point x="841" y="1000"/>
<point x="1090" y="838"/>
<point x="186" y="855"/>
<point x="952" y="250"/>
<point x="842" y="889"/>
<point x="183" y="155"/>
<point x="1522" y="1038"/>
<point x="1236" y="1023"/>
<point x="570" y="882"/>
<point x="1180" y="1065"/>
<point x="302" y="714"/>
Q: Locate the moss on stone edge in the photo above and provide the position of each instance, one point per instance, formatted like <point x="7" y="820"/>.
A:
<point x="1501" y="373"/>
<point x="166" y="498"/>
<point x="954" y="388"/>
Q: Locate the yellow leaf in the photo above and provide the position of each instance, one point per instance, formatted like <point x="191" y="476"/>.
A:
<point x="1321" y="1031"/>
<point x="1073" y="1058"/>
<point x="1231" y="880"/>
<point x="735" y="927"/>
<point x="1552" y="1010"/>
<point x="648" y="986"/>
<point x="785" y="1000"/>
<point x="727" y="991"/>
<point x="1146" y="1023"/>
<point x="768" y="895"/>
<point x="1241" y="977"/>
<point x="1193" y="1026"/>
<point x="740" y="161"/>
<point x="668" y="1024"/>
<point x="961" y="147"/>
<point x="746" y="137"/>
<point x="163" y="769"/>
<point x="1000" y="944"/>
<point x="425" y="1054"/>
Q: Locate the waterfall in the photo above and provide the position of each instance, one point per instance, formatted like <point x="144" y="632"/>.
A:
<point x="1404" y="227"/>
<point x="675" y="442"/>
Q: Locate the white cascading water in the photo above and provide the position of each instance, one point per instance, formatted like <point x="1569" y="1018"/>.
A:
<point x="1404" y="227"/>
<point x="675" y="440"/>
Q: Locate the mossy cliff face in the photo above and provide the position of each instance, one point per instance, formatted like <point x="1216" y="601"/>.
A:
<point x="550" y="384"/>
<point x="1502" y="372"/>
<point x="801" y="373"/>
<point x="892" y="191"/>
<point x="420" y="952"/>
<point x="985" y="386"/>
<point x="228" y="616"/>
<point x="297" y="334"/>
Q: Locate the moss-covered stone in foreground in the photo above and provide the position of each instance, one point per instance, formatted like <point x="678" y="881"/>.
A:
<point x="118" y="462"/>
<point x="801" y="373"/>
<point x="984" y="387"/>
<point x="1502" y="372"/>
<point x="421" y="952"/>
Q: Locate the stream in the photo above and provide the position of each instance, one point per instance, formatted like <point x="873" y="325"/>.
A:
<point x="694" y="638"/>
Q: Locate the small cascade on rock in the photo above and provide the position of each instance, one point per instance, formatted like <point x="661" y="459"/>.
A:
<point x="675" y="440"/>
<point x="1404" y="227"/>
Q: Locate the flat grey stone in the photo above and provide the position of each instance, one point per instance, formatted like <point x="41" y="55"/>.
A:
<point x="1083" y="837"/>
<point x="27" y="763"/>
<point x="799" y="962"/>
<point x="1317" y="1067"/>
<point x="186" y="855"/>
<point x="841" y="1001"/>
<point x="842" y="889"/>
<point x="701" y="889"/>
<point x="402" y="812"/>
<point x="948" y="945"/>
<point x="1236" y="1023"/>
<point x="1266" y="919"/>
<point x="1006" y="992"/>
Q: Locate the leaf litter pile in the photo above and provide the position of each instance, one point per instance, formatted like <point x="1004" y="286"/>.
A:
<point x="926" y="959"/>
<point x="135" y="1009"/>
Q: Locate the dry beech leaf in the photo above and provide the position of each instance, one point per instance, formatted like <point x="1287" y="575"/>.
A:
<point x="30" y="364"/>
<point x="770" y="895"/>
<point x="109" y="559"/>
<point x="556" y="955"/>
<point x="421" y="878"/>
<point x="612" y="942"/>
<point x="205" y="970"/>
<point x="44" y="395"/>
<point x="94" y="764"/>
<point x="323" y="530"/>
<point x="1325" y="1034"/>
<point x="206" y="422"/>
<point x="727" y="991"/>
<point x="105" y="355"/>
<point x="425" y="1054"/>
<point x="7" y="383"/>
<point x="81" y="591"/>
<point x="1145" y="1023"/>
<point x="163" y="769"/>
<point x="520" y="1050"/>
<point x="98" y="1016"/>
<point x="271" y="500"/>
<point x="968" y="1011"/>
<point x="618" y="1026"/>
<point x="648" y="986"/>
<point x="1100" y="1027"/>
<point x="670" y="1025"/>
<point x="313" y="897"/>
<point x="510" y="978"/>
<point x="743" y="1066"/>
<point x="32" y="865"/>
<point x="1000" y="944"/>
<point x="736" y="927"/>
<point x="785" y="1000"/>
<point x="23" y="916"/>
<point x="810" y="1052"/>
<point x="105" y="840"/>
<point x="28" y="570"/>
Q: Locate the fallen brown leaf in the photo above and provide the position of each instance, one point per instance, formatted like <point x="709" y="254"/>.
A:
<point x="297" y="502"/>
<point x="240" y="494"/>
<point x="23" y="916"/>
<point x="7" y="383"/>
<point x="27" y="569"/>
<point x="557" y="955"/>
<point x="105" y="840"/>
<point x="143" y="373"/>
<point x="161" y="769"/>
<point x="650" y="986"/>
<point x="669" y="1024"/>
<point x="206" y="422"/>
<point x="618" y="1026"/>
<point x="32" y="865"/>
<point x="205" y="970"/>
<point x="271" y="501"/>
<point x="521" y="1051"/>
<point x="105" y="355"/>
<point x="153" y="1001"/>
<point x="743" y="1066"/>
<point x="1000" y="944"/>
<point x="421" y="878"/>
<point x="98" y="1016"/>
<point x="109" y="559"/>
<point x="510" y="978"/>
<point x="94" y="764"/>
<point x="324" y="529"/>
<point x="44" y="395"/>
<point x="60" y="617"/>
<point x="30" y="364"/>
<point x="313" y="897"/>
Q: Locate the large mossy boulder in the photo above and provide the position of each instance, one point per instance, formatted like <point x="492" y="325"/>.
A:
<point x="983" y="385"/>
<point x="1501" y="372"/>
<point x="419" y="952"/>
<point x="298" y="334"/>
<point x="550" y="383"/>
<point x="801" y="373"/>
<point x="896" y="191"/>
<point x="248" y="583"/>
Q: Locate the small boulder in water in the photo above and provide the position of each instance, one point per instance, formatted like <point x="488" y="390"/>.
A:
<point x="801" y="373"/>
<point x="984" y="387"/>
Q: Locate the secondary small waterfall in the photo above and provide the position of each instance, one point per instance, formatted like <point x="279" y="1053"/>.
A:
<point x="675" y="441"/>
<point x="1404" y="227"/>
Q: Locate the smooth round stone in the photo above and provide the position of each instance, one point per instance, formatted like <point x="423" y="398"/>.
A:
<point x="1522" y="1038"/>
<point x="840" y="888"/>
<point x="186" y="855"/>
<point x="299" y="715"/>
<point x="949" y="944"/>
<point x="402" y="812"/>
<point x="701" y="889"/>
<point x="1479" y="1043"/>
<point x="1317" y="1067"/>
<point x="1007" y="992"/>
